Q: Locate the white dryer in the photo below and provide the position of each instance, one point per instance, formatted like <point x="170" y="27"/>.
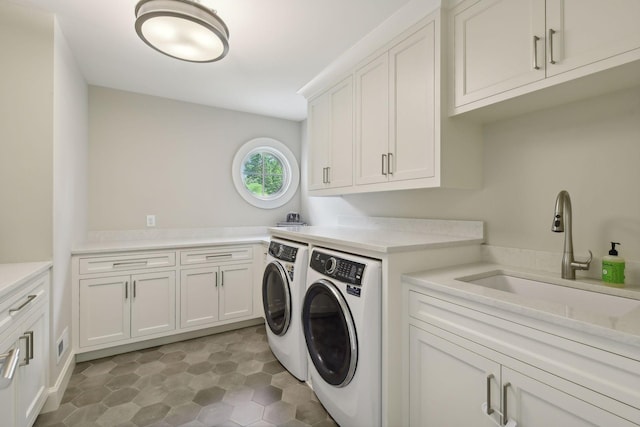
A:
<point x="342" y="324"/>
<point x="283" y="287"/>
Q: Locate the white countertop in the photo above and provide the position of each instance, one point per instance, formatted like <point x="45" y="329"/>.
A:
<point x="375" y="240"/>
<point x="13" y="276"/>
<point x="165" y="243"/>
<point x="624" y="329"/>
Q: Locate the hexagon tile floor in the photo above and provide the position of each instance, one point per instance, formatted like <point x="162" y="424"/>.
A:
<point x="227" y="379"/>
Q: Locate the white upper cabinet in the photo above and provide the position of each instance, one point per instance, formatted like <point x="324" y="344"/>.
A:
<point x="412" y="84"/>
<point x="506" y="48"/>
<point x="498" y="45"/>
<point x="402" y="141"/>
<point x="588" y="31"/>
<point x="331" y="137"/>
<point x="372" y="120"/>
<point x="395" y="112"/>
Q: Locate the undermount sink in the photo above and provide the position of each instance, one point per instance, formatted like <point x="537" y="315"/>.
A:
<point x="609" y="305"/>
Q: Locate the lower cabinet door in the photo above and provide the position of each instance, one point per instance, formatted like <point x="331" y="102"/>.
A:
<point x="236" y="291"/>
<point x="198" y="296"/>
<point x="32" y="374"/>
<point x="7" y="388"/>
<point x="153" y="306"/>
<point x="104" y="310"/>
<point x="532" y="403"/>
<point x="448" y="384"/>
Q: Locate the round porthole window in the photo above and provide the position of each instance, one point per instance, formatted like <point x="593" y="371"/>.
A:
<point x="265" y="173"/>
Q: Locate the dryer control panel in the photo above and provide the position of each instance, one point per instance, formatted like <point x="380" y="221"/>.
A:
<point x="282" y="252"/>
<point x="344" y="270"/>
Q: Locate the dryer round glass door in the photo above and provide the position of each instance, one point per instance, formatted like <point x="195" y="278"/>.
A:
<point x="330" y="333"/>
<point x="276" y="298"/>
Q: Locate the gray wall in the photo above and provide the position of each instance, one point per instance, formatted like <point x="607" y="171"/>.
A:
<point x="26" y="133"/>
<point x="43" y="137"/>
<point x="152" y="155"/>
<point x="70" y="155"/>
<point x="590" y="148"/>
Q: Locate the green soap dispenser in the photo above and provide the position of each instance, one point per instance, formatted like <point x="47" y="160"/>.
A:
<point x="613" y="267"/>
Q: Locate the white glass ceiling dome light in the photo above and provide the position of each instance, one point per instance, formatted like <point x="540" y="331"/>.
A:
<point x="182" y="29"/>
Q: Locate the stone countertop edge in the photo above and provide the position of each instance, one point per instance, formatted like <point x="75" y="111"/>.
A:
<point x="89" y="248"/>
<point x="14" y="275"/>
<point x="375" y="240"/>
<point x="625" y="330"/>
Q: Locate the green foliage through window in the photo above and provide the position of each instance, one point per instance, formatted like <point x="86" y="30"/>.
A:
<point x="263" y="173"/>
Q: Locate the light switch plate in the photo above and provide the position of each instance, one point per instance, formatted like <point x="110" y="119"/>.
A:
<point x="151" y="220"/>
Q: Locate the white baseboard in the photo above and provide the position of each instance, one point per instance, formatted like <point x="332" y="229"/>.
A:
<point x="57" y="391"/>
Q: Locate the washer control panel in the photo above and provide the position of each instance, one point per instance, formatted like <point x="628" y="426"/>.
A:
<point x="344" y="270"/>
<point x="283" y="252"/>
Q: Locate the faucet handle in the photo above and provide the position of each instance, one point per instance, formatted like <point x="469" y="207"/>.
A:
<point x="576" y="265"/>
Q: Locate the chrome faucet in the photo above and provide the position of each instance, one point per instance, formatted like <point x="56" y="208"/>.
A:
<point x="562" y="223"/>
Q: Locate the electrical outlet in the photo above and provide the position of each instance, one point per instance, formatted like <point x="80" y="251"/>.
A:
<point x="151" y="220"/>
<point x="61" y="344"/>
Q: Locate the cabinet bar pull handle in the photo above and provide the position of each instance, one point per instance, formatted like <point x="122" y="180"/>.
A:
<point x="219" y="256"/>
<point x="505" y="417"/>
<point x="489" y="408"/>
<point x="389" y="163"/>
<point x="31" y="341"/>
<point x="222" y="278"/>
<point x="384" y="160"/>
<point x="134" y="288"/>
<point x="324" y="175"/>
<point x="29" y="299"/>
<point x="328" y="174"/>
<point x="551" y="33"/>
<point x="129" y="263"/>
<point x="216" y="279"/>
<point x="27" y="357"/>
<point x="536" y="39"/>
<point x="11" y="360"/>
<point x="126" y="290"/>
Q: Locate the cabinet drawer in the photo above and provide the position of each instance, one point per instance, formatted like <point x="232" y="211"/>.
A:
<point x="216" y="255"/>
<point x="19" y="304"/>
<point x="127" y="262"/>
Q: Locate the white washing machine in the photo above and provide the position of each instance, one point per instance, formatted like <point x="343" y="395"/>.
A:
<point x="342" y="324"/>
<point x="283" y="287"/>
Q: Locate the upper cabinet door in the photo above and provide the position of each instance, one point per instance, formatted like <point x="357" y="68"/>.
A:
<point x="498" y="44"/>
<point x="588" y="31"/>
<point x="340" y="173"/>
<point x="319" y="134"/>
<point x="413" y="99"/>
<point x="372" y="121"/>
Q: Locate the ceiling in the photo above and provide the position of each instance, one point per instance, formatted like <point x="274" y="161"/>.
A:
<point x="276" y="47"/>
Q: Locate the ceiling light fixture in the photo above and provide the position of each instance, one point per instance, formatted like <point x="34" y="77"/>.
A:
<point x="182" y="29"/>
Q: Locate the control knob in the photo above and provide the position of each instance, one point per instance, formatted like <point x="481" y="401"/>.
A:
<point x="331" y="265"/>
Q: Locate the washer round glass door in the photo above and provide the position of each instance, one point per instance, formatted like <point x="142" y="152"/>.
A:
<point x="330" y="333"/>
<point x="276" y="298"/>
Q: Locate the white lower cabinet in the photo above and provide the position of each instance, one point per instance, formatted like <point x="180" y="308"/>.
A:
<point x="24" y="335"/>
<point x="7" y="385"/>
<point x="451" y="385"/>
<point x="22" y="397"/>
<point x="32" y="372"/>
<point x="123" y="298"/>
<point x="117" y="308"/>
<point x="447" y="383"/>
<point x="212" y="294"/>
